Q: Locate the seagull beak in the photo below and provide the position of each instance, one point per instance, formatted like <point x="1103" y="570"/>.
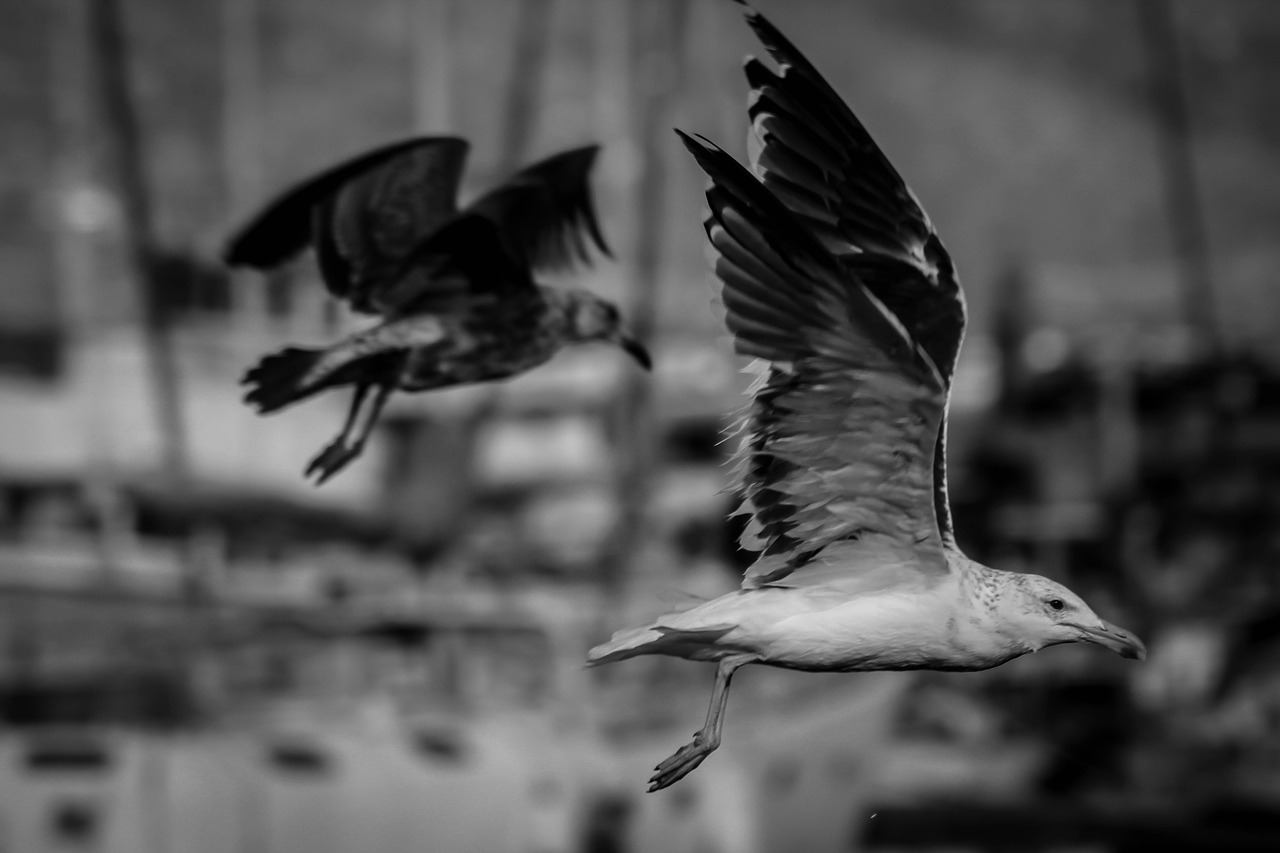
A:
<point x="636" y="350"/>
<point x="1117" y="639"/>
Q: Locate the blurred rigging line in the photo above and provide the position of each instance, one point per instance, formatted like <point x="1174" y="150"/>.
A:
<point x="1177" y="156"/>
<point x="431" y="59"/>
<point x="120" y="118"/>
<point x="73" y="254"/>
<point x="520" y="105"/>
<point x="72" y="175"/>
<point x="657" y="57"/>
<point x="614" y="179"/>
<point x="242" y="132"/>
<point x="533" y="28"/>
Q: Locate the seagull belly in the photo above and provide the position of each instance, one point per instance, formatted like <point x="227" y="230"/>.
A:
<point x="878" y="632"/>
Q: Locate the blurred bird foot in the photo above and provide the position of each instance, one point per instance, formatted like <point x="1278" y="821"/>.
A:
<point x="684" y="762"/>
<point x="331" y="460"/>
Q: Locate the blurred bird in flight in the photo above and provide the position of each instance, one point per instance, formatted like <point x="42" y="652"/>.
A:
<point x="834" y="280"/>
<point x="454" y="287"/>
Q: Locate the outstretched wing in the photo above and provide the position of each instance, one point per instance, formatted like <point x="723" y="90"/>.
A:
<point x="816" y="156"/>
<point x="545" y="212"/>
<point x="363" y="217"/>
<point x="839" y="435"/>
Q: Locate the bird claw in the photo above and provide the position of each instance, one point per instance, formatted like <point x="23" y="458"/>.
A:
<point x="331" y="460"/>
<point x="685" y="760"/>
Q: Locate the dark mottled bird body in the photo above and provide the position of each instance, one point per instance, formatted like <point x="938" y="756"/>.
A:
<point x="493" y="339"/>
<point x="453" y="285"/>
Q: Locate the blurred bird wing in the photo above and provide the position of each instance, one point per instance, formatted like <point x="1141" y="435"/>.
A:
<point x="816" y="156"/>
<point x="838" y="439"/>
<point x="283" y="228"/>
<point x="362" y="216"/>
<point x="545" y="212"/>
<point x="375" y="221"/>
<point x="462" y="261"/>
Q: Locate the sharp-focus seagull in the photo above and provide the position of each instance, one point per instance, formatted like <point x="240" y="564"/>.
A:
<point x="454" y="286"/>
<point x="834" y="280"/>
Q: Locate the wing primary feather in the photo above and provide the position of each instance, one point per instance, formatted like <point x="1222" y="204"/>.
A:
<point x="545" y="213"/>
<point x="882" y="233"/>
<point x="801" y="246"/>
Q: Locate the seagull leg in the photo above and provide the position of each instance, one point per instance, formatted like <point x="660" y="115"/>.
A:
<point x="707" y="738"/>
<point x="342" y="450"/>
<point x="335" y="454"/>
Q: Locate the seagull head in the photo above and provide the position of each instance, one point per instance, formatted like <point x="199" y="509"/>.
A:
<point x="594" y="319"/>
<point x="1049" y="614"/>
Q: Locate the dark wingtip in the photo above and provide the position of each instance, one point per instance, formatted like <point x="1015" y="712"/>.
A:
<point x="584" y="160"/>
<point x="589" y="153"/>
<point x="751" y="13"/>
<point x="234" y="255"/>
<point x="689" y="140"/>
<point x="699" y="146"/>
<point x="238" y="251"/>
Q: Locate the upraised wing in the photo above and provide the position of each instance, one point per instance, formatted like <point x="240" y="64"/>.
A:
<point x="545" y="212"/>
<point x="816" y="156"/>
<point x="542" y="217"/>
<point x="839" y="436"/>
<point x="363" y="217"/>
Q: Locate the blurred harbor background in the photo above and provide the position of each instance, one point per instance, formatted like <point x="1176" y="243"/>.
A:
<point x="199" y="651"/>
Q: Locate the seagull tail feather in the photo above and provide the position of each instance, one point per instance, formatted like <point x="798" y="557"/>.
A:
<point x="657" y="640"/>
<point x="625" y="644"/>
<point x="280" y="378"/>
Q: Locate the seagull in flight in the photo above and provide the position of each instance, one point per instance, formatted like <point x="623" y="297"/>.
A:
<point x="835" y="282"/>
<point x="454" y="287"/>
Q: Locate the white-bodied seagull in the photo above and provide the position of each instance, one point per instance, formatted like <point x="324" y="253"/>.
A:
<point x="454" y="287"/>
<point x="834" y="280"/>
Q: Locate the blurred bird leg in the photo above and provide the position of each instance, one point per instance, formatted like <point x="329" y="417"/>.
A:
<point x="342" y="450"/>
<point x="705" y="740"/>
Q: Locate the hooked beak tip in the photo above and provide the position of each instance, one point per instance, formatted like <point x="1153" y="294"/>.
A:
<point x="1120" y="641"/>
<point x="637" y="351"/>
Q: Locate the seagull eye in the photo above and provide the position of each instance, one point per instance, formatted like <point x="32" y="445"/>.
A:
<point x="1056" y="604"/>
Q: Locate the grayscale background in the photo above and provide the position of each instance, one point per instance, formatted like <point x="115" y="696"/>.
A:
<point x="200" y="652"/>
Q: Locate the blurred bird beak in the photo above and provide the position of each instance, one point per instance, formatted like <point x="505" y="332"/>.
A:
<point x="1117" y="639"/>
<point x="637" y="351"/>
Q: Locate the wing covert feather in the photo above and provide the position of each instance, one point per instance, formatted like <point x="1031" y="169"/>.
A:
<point x="283" y="228"/>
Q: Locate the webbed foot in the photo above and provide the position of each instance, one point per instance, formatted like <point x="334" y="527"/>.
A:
<point x="685" y="760"/>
